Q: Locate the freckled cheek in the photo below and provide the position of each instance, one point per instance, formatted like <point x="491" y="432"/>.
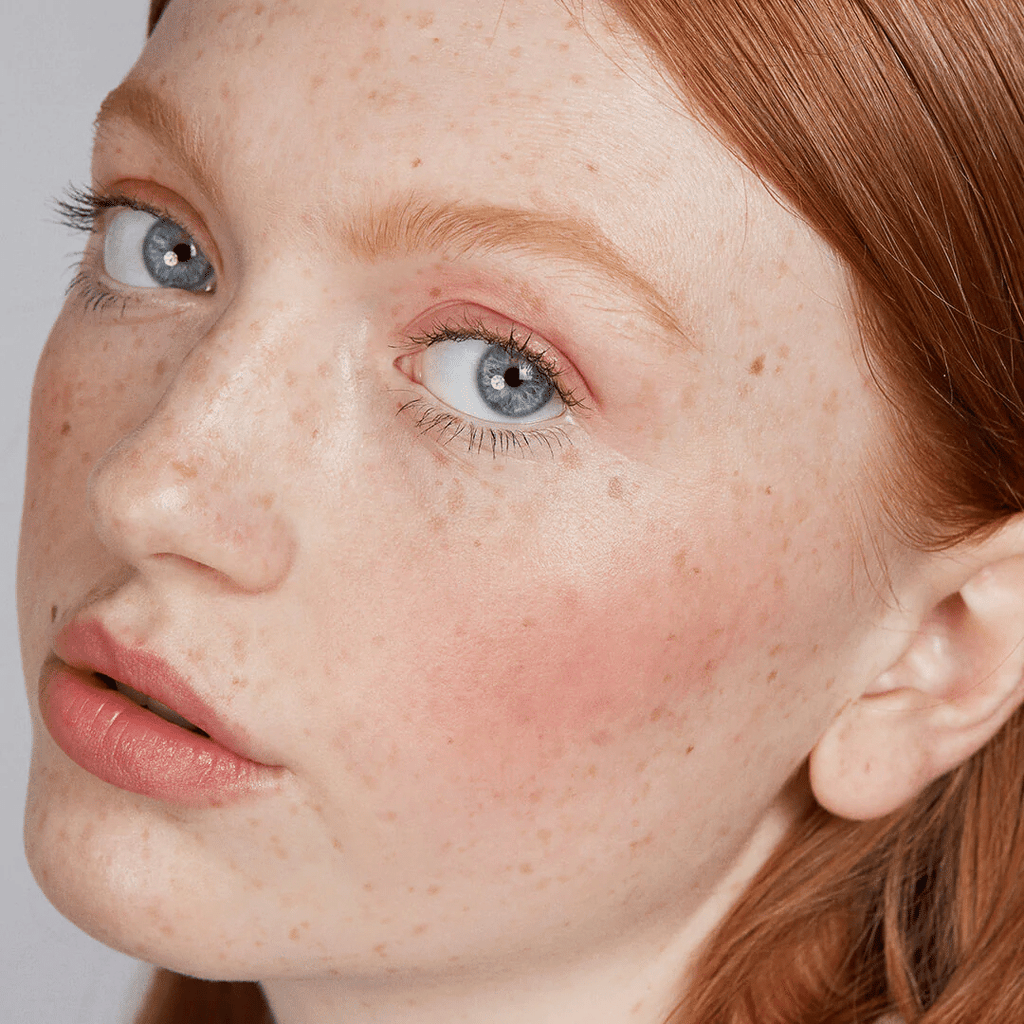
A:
<point x="92" y="386"/>
<point x="498" y="709"/>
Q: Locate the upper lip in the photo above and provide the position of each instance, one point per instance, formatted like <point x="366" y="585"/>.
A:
<point x="88" y="646"/>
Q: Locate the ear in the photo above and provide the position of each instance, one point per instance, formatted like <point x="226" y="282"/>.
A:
<point x="955" y="681"/>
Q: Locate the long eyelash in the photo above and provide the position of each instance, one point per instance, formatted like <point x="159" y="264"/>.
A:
<point x="448" y="428"/>
<point x="81" y="206"/>
<point x="510" y="343"/>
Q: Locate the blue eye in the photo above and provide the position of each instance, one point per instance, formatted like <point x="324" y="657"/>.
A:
<point x="142" y="250"/>
<point x="485" y="380"/>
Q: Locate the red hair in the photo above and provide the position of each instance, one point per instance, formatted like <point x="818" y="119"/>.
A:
<point x="895" y="129"/>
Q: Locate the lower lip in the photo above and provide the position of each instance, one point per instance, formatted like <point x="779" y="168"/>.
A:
<point x="122" y="743"/>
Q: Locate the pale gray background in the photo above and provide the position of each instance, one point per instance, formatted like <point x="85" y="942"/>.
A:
<point x="59" y="58"/>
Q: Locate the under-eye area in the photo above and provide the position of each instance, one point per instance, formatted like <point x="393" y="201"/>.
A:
<point x="478" y="438"/>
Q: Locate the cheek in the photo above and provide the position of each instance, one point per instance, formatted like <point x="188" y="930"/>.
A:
<point x="483" y="694"/>
<point x="590" y="663"/>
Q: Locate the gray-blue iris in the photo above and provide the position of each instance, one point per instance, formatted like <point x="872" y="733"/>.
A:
<point x="173" y="260"/>
<point x="511" y="385"/>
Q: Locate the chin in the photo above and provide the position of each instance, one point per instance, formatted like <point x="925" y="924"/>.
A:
<point x="105" y="860"/>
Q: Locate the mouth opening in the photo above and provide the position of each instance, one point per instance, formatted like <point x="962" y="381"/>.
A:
<point x="151" y="705"/>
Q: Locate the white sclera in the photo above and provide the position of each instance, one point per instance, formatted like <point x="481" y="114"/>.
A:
<point x="449" y="371"/>
<point x="122" y="248"/>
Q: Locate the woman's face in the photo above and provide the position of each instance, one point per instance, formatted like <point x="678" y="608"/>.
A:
<point x="533" y="639"/>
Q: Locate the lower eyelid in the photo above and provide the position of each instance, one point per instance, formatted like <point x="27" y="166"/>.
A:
<point x="545" y="439"/>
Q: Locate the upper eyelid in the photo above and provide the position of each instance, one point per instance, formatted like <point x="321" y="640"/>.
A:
<point x="82" y="208"/>
<point x="441" y="329"/>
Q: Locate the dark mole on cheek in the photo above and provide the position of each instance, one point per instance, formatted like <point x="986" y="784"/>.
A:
<point x="756" y="367"/>
<point x="65" y="429"/>
<point x="53" y="613"/>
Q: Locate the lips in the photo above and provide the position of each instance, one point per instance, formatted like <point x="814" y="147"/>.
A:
<point x="150" y="704"/>
<point x="127" y="717"/>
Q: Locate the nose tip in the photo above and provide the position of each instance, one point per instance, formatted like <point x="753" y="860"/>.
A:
<point x="152" y="506"/>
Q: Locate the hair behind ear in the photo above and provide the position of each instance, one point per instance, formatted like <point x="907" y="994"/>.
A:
<point x="920" y="912"/>
<point x="156" y="8"/>
<point x="177" y="999"/>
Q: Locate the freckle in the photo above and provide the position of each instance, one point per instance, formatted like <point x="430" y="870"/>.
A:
<point x="772" y="651"/>
<point x="689" y="749"/>
<point x="656" y="714"/>
<point x="615" y="488"/>
<point x="526" y="869"/>
<point x="417" y="162"/>
<point x="53" y="613"/>
<point x="294" y="935"/>
<point x="188" y="472"/>
<point x="756" y="367"/>
<point x="528" y="623"/>
<point x="516" y="51"/>
<point x="236" y="681"/>
<point x="679" y="559"/>
<point x="535" y="796"/>
<point x="315" y="82"/>
<point x="65" y="428"/>
<point x="420" y="929"/>
<point x="774" y="674"/>
<point x="592" y="168"/>
<point x="646" y="841"/>
<point x="381" y="949"/>
<point x="577" y="79"/>
<point x="367" y="887"/>
<point x="86" y="458"/>
<point x="425" y="20"/>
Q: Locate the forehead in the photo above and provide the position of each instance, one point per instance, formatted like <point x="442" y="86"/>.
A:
<point x="516" y="103"/>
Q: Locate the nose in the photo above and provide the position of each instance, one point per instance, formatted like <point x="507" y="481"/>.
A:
<point x="193" y="484"/>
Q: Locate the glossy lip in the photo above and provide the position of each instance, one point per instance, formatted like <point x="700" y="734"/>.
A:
<point x="115" y="739"/>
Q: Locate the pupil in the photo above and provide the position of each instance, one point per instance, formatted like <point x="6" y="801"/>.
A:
<point x="183" y="251"/>
<point x="512" y="377"/>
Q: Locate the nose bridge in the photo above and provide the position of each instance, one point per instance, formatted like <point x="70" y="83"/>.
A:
<point x="197" y="479"/>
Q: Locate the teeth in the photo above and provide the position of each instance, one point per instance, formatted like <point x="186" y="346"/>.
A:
<point x="161" y="710"/>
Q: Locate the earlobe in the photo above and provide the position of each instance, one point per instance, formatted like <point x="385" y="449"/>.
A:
<point x="954" y="684"/>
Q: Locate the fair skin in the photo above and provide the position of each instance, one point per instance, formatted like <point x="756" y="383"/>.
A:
<point x="539" y="714"/>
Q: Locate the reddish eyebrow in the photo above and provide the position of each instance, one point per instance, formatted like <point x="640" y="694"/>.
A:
<point x="413" y="224"/>
<point x="169" y="127"/>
